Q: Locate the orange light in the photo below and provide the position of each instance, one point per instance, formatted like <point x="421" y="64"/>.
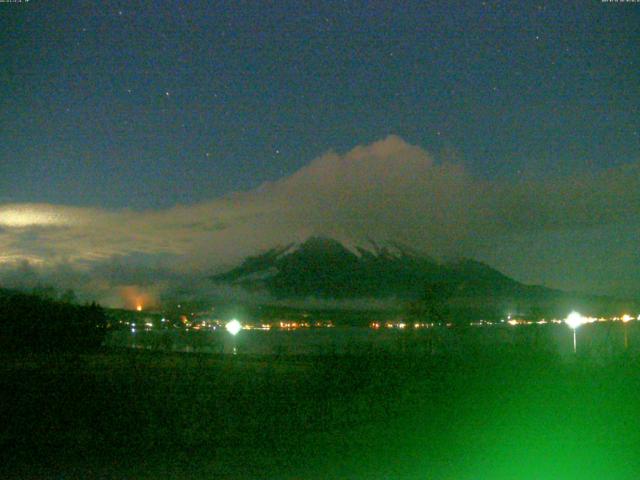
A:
<point x="139" y="308"/>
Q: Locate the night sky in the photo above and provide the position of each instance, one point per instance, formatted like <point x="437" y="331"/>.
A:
<point x="147" y="113"/>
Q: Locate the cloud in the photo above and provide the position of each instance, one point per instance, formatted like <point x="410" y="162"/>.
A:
<point x="389" y="190"/>
<point x="21" y="216"/>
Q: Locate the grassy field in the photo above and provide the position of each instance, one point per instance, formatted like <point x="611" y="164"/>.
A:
<point x="496" y="414"/>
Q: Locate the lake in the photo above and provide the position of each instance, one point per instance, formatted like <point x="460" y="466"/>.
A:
<point x="600" y="339"/>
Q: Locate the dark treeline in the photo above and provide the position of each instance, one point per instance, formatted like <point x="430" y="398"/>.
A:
<point x="34" y="323"/>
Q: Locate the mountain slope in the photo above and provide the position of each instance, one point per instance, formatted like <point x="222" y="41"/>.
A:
<point x="324" y="268"/>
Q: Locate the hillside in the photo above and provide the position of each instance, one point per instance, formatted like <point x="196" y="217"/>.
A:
<point x="323" y="268"/>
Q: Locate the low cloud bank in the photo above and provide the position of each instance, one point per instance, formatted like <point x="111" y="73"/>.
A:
<point x="389" y="190"/>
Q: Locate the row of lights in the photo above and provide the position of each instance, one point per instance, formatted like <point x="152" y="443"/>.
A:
<point x="575" y="320"/>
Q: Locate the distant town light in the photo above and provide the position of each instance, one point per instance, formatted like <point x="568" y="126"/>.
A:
<point x="139" y="308"/>
<point x="233" y="327"/>
<point x="626" y="318"/>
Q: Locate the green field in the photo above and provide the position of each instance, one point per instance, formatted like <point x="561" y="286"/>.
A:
<point x="498" y="414"/>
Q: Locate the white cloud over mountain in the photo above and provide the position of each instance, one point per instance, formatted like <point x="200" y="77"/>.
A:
<point x="389" y="190"/>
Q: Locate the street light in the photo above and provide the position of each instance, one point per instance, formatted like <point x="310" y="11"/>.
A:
<point x="625" y="320"/>
<point x="574" y="320"/>
<point x="233" y="327"/>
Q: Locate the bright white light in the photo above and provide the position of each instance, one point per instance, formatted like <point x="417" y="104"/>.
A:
<point x="574" y="320"/>
<point x="28" y="215"/>
<point x="233" y="327"/>
<point x="626" y="318"/>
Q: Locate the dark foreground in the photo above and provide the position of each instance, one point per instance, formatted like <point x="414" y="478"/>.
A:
<point x="510" y="414"/>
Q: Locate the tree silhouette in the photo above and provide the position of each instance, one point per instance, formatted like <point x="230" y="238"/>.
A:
<point x="33" y="323"/>
<point x="69" y="296"/>
<point x="432" y="305"/>
<point x="432" y="308"/>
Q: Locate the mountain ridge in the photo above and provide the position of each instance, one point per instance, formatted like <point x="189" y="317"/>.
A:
<point x="325" y="268"/>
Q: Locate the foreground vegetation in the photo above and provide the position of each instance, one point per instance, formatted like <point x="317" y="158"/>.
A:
<point x="39" y="323"/>
<point x="485" y="414"/>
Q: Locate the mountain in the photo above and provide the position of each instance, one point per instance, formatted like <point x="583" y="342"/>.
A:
<point x="337" y="276"/>
<point x="324" y="268"/>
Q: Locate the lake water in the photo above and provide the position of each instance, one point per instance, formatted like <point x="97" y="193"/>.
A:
<point x="598" y="340"/>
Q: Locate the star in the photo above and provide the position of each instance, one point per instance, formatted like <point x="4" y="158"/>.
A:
<point x="167" y="94"/>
